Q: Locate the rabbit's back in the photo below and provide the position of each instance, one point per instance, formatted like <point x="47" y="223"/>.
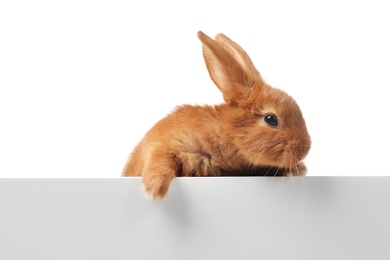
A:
<point x="193" y="136"/>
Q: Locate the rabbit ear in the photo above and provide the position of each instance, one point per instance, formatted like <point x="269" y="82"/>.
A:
<point x="226" y="71"/>
<point x="238" y="53"/>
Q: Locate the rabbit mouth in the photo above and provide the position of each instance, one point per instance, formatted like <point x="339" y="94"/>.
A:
<point x="296" y="150"/>
<point x="293" y="156"/>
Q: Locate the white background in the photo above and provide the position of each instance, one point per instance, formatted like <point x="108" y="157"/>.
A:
<point x="82" y="81"/>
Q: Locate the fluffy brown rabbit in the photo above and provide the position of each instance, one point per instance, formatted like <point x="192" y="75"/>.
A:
<point x="259" y="130"/>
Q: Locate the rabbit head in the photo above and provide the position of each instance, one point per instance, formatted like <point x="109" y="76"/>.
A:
<point x="264" y="123"/>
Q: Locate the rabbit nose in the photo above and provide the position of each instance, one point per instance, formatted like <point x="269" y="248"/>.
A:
<point x="297" y="149"/>
<point x="306" y="144"/>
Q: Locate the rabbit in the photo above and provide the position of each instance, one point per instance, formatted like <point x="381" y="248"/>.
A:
<point x="258" y="130"/>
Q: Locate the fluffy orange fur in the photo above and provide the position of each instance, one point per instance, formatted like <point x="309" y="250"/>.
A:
<point x="227" y="139"/>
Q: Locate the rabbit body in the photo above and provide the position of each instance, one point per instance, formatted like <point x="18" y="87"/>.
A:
<point x="259" y="129"/>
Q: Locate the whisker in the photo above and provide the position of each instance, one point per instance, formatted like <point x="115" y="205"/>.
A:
<point x="302" y="179"/>
<point x="266" y="174"/>
<point x="272" y="180"/>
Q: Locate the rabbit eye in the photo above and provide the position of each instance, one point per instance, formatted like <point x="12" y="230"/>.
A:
<point x="271" y="120"/>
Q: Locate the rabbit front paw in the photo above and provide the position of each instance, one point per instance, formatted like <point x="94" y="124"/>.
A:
<point x="297" y="170"/>
<point x="156" y="185"/>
